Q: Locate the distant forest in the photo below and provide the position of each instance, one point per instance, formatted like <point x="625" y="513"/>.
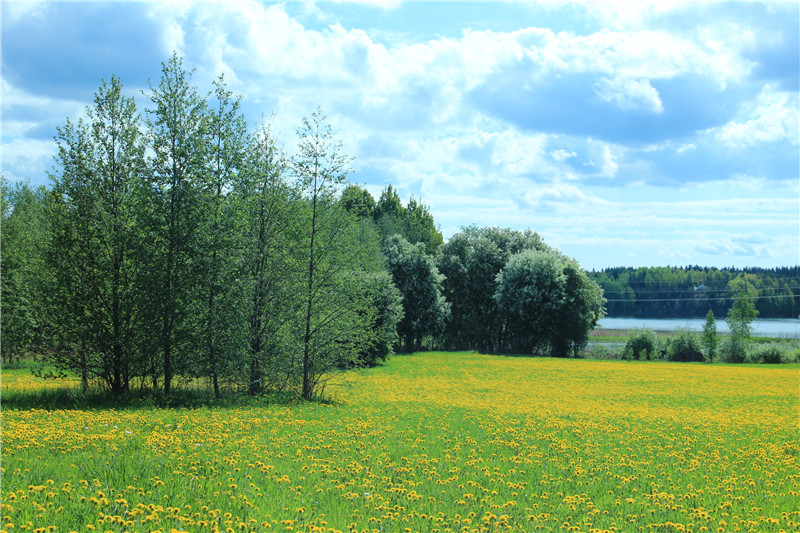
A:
<point x="682" y="292"/>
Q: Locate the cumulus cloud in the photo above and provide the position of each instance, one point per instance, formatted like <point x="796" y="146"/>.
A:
<point x="489" y="120"/>
<point x="772" y="117"/>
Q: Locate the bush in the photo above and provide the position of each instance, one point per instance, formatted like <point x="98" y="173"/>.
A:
<point x="770" y="354"/>
<point x="733" y="349"/>
<point x="685" y="347"/>
<point x="643" y="343"/>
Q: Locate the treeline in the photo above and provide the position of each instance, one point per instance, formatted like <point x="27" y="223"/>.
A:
<point x="179" y="245"/>
<point x="675" y="292"/>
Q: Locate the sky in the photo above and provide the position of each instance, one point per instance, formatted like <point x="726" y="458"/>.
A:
<point x="625" y="134"/>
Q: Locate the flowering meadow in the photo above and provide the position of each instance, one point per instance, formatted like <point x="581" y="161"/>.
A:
<point x="436" y="442"/>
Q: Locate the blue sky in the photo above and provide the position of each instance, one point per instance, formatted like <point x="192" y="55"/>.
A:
<point x="626" y="134"/>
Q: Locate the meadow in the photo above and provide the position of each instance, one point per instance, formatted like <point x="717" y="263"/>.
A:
<point x="434" y="442"/>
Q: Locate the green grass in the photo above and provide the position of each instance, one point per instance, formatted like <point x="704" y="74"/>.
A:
<point x="429" y="442"/>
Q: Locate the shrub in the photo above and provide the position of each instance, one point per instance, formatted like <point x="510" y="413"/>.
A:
<point x="733" y="349"/>
<point x="770" y="354"/>
<point x="685" y="347"/>
<point x="643" y="343"/>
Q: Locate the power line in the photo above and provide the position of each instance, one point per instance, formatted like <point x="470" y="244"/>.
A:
<point x="702" y="299"/>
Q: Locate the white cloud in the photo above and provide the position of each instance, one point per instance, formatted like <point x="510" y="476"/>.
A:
<point x="772" y="117"/>
<point x="629" y="94"/>
<point x="562" y="155"/>
<point x="23" y="158"/>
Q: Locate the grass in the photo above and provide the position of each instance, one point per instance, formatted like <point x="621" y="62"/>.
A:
<point x="429" y="442"/>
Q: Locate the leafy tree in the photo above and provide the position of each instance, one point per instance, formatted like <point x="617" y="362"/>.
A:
<point x="335" y="316"/>
<point x="179" y="125"/>
<point x="685" y="347"/>
<point x="389" y="213"/>
<point x="358" y="201"/>
<point x="414" y="222"/>
<point x="740" y="318"/>
<point x="470" y="262"/>
<point x="387" y="302"/>
<point x="420" y="227"/>
<point x="709" y="337"/>
<point x="218" y="234"/>
<point x="642" y="343"/>
<point x="425" y="310"/>
<point x="580" y="311"/>
<point x="23" y="234"/>
<point x="268" y="206"/>
<point x="94" y="253"/>
<point x="547" y="303"/>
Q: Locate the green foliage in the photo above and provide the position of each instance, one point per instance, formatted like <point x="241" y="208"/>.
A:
<point x="733" y="349"/>
<point x="685" y="347"/>
<point x="387" y="303"/>
<point x="673" y="292"/>
<point x="709" y="338"/>
<point x="23" y="234"/>
<point x="547" y="303"/>
<point x="740" y="318"/>
<point x="94" y="253"/>
<point x="642" y="344"/>
<point x="771" y="354"/>
<point x="358" y="201"/>
<point x="414" y="222"/>
<point x="176" y="207"/>
<point x="470" y="262"/>
<point x="265" y="214"/>
<point x="414" y="272"/>
<point x="333" y="324"/>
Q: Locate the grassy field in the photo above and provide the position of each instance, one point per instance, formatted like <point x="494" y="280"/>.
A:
<point x="430" y="442"/>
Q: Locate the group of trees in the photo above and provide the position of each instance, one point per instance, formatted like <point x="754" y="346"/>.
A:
<point x="510" y="292"/>
<point x="686" y="345"/>
<point x="177" y="244"/>
<point x="672" y="292"/>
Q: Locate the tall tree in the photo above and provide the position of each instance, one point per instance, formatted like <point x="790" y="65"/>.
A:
<point x="739" y="319"/>
<point x="268" y="210"/>
<point x="227" y="136"/>
<point x="23" y="234"/>
<point x="425" y="310"/>
<point x="358" y="201"/>
<point x="94" y="253"/>
<point x="419" y="227"/>
<point x="709" y="337"/>
<point x="547" y="303"/>
<point x="178" y="122"/>
<point x="335" y="315"/>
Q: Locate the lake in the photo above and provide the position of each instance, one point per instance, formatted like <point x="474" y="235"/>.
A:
<point x="766" y="327"/>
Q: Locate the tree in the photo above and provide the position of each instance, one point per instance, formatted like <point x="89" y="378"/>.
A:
<point x="547" y="303"/>
<point x="23" y="234"/>
<point x="709" y="337"/>
<point x="420" y="227"/>
<point x="387" y="303"/>
<point x="268" y="206"/>
<point x="179" y="129"/>
<point x="740" y="318"/>
<point x="470" y="262"/>
<point x="414" y="222"/>
<point x="425" y="310"/>
<point x="94" y="253"/>
<point x="358" y="201"/>
<point x="218" y="233"/>
<point x="389" y="213"/>
<point x="335" y="315"/>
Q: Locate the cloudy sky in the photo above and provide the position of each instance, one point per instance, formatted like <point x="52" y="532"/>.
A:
<point x="634" y="134"/>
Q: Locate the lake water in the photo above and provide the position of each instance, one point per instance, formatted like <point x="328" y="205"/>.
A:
<point x="767" y="327"/>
